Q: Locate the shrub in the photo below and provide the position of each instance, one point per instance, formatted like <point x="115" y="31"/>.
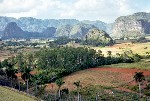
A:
<point x="137" y="57"/>
<point x="147" y="93"/>
<point x="65" y="91"/>
<point x="134" y="88"/>
<point x="148" y="86"/>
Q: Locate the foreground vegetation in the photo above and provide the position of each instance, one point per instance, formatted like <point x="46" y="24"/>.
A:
<point x="99" y="93"/>
<point x="10" y="95"/>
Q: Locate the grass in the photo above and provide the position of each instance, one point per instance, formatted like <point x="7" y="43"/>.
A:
<point x="90" y="77"/>
<point x="10" y="95"/>
<point x="6" y="53"/>
<point x="109" y="94"/>
<point x="139" y="48"/>
<point x="93" y="77"/>
<point x="138" y="65"/>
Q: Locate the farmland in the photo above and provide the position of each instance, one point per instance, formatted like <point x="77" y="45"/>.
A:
<point x="143" y="64"/>
<point x="104" y="80"/>
<point x="139" y="48"/>
<point x="104" y="76"/>
<point x="8" y="52"/>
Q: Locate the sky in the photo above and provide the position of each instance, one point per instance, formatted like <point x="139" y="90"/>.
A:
<point x="103" y="10"/>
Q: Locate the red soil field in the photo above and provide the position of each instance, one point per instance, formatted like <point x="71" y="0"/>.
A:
<point x="99" y="76"/>
<point x="126" y="74"/>
<point x="123" y="70"/>
<point x="115" y="77"/>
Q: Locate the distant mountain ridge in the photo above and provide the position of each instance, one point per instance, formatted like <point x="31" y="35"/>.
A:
<point x="38" y="25"/>
<point x="12" y="30"/>
<point x="134" y="25"/>
<point x="80" y="30"/>
<point x="47" y="28"/>
<point x="131" y="26"/>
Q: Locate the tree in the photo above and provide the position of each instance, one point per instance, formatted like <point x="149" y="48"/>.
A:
<point x="78" y="85"/>
<point x="34" y="44"/>
<point x="109" y="53"/>
<point x="59" y="83"/>
<point x="108" y="59"/>
<point x="139" y="77"/>
<point x="2" y="72"/>
<point x="0" y="64"/>
<point x="20" y="62"/>
<point x="5" y="65"/>
<point x="26" y="76"/>
<point x="86" y="39"/>
<point x="10" y="71"/>
<point x="29" y="59"/>
<point x="38" y="80"/>
<point x="62" y="40"/>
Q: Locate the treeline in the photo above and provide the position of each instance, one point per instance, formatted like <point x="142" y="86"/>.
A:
<point x="59" y="62"/>
<point x="64" y="40"/>
<point x="73" y="59"/>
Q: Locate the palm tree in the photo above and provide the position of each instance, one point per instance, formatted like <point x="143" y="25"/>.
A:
<point x="5" y="66"/>
<point x="20" y="61"/>
<point x="78" y="85"/>
<point x="59" y="83"/>
<point x="10" y="72"/>
<point x="0" y="65"/>
<point x="37" y="80"/>
<point x="139" y="77"/>
<point x="26" y="76"/>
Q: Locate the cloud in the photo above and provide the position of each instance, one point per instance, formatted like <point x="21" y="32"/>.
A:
<point x="105" y="10"/>
<point x="17" y="6"/>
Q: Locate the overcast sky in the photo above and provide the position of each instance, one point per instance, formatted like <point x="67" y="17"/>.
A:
<point x="104" y="10"/>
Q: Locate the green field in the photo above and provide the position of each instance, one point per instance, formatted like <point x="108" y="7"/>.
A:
<point x="143" y="64"/>
<point x="10" y="95"/>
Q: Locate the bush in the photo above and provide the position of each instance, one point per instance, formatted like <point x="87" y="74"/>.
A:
<point x="136" y="58"/>
<point x="134" y="88"/>
<point x="65" y="91"/>
<point x="147" y="93"/>
<point x="148" y="86"/>
<point x="128" y="60"/>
